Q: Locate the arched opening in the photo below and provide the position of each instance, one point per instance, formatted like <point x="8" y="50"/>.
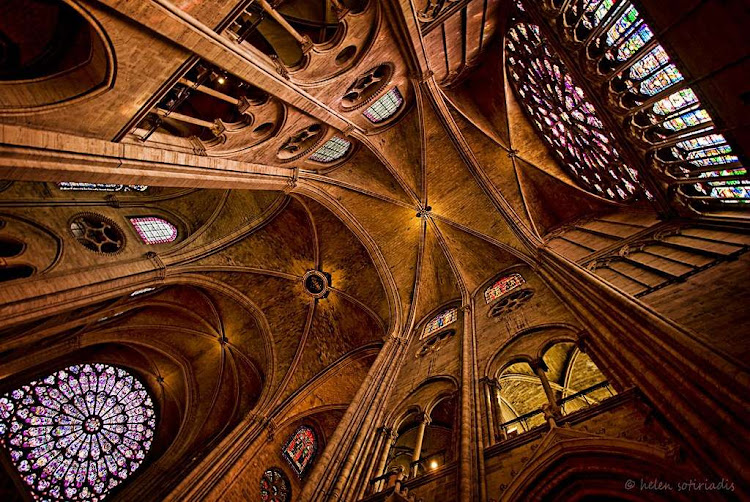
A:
<point x="49" y="53"/>
<point x="10" y="247"/>
<point x="520" y="399"/>
<point x="437" y="446"/>
<point x="574" y="378"/>
<point x="13" y="272"/>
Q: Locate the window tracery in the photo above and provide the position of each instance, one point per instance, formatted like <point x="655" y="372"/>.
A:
<point x="79" y="432"/>
<point x="440" y="321"/>
<point x="274" y="486"/>
<point x="502" y="286"/>
<point x="665" y="112"/>
<point x="301" y="142"/>
<point x="300" y="449"/>
<point x="567" y="121"/>
<point x="367" y="85"/>
<point x="385" y="107"/>
<point x="153" y="230"/>
<point x="97" y="233"/>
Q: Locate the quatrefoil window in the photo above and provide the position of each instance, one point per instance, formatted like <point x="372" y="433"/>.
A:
<point x="302" y="142"/>
<point x="367" y="86"/>
<point x="511" y="302"/>
<point x="97" y="233"/>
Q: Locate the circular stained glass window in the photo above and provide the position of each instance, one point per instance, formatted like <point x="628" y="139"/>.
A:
<point x="78" y="433"/>
<point x="274" y="486"/>
<point x="565" y="118"/>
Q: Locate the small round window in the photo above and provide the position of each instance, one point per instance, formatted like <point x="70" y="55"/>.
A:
<point x="97" y="233"/>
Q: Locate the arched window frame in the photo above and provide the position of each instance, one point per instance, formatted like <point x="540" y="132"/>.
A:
<point x="503" y="285"/>
<point x="287" y="450"/>
<point x="662" y="109"/>
<point x="441" y="321"/>
<point x="154" y="229"/>
<point x="385" y="107"/>
<point x="128" y="432"/>
<point x="334" y="149"/>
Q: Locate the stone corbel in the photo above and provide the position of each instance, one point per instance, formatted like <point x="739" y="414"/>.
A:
<point x="306" y="45"/>
<point x="422" y="77"/>
<point x="280" y="68"/>
<point x="158" y="263"/>
<point x="244" y="105"/>
<point x="338" y="9"/>
<point x="112" y="200"/>
<point x="198" y="147"/>
<point x="218" y="128"/>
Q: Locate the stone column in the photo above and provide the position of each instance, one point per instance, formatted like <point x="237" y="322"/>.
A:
<point x="423" y="422"/>
<point x="656" y="354"/>
<point x="540" y="368"/>
<point x="498" y="431"/>
<point x="490" y="410"/>
<point x="304" y="41"/>
<point x="469" y="481"/>
<point x="389" y="437"/>
<point x="335" y="472"/>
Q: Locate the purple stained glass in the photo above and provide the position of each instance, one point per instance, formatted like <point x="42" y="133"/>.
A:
<point x="274" y="486"/>
<point x="564" y="116"/>
<point x="79" y="432"/>
<point x="301" y="448"/>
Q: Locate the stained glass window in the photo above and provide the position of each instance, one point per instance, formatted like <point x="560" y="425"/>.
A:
<point x="502" y="286"/>
<point x="153" y="230"/>
<point x="626" y="41"/>
<point x="274" y="486"/>
<point x="72" y="186"/>
<point x="301" y="448"/>
<point x="654" y="72"/>
<point x="674" y="102"/>
<point x="564" y="116"/>
<point x="79" y="432"/>
<point x="634" y="43"/>
<point x="385" y="107"/>
<point x="440" y="321"/>
<point x="622" y="25"/>
<point x="333" y="149"/>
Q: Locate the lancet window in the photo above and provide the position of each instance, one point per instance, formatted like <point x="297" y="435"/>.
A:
<point x="662" y="109"/>
<point x="565" y="118"/>
<point x="77" y="433"/>
<point x="440" y="321"/>
<point x="153" y="230"/>
<point x="300" y="449"/>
